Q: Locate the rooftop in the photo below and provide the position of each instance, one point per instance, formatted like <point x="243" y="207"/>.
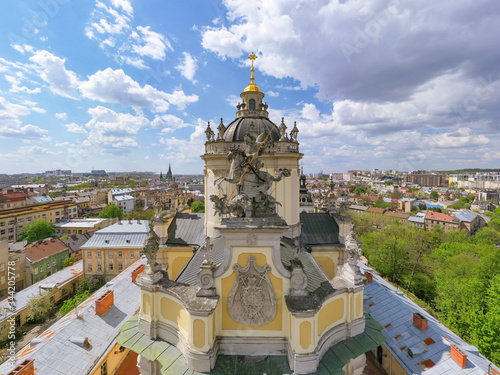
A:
<point x="431" y="215"/>
<point x="44" y="249"/>
<point x="79" y="223"/>
<point x="59" y="278"/>
<point x="57" y="355"/>
<point x="124" y="234"/>
<point x="394" y="311"/>
<point x="319" y="229"/>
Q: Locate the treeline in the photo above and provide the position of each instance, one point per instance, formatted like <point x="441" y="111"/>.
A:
<point x="456" y="277"/>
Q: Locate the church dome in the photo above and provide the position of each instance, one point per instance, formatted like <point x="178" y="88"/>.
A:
<point x="236" y="130"/>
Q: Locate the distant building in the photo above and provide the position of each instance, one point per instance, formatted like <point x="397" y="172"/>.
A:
<point x="122" y="198"/>
<point x="341" y="176"/>
<point x="431" y="180"/>
<point x="13" y="220"/>
<point x="475" y="181"/>
<point x="80" y="226"/>
<point x="12" y="199"/>
<point x="487" y="195"/>
<point x="98" y="173"/>
<point x="169" y="176"/>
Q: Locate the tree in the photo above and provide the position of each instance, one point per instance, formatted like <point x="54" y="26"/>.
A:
<point x="110" y="212"/>
<point x="359" y="190"/>
<point x="37" y="230"/>
<point x="198" y="206"/>
<point x="434" y="195"/>
<point x="38" y="308"/>
<point x="419" y="249"/>
<point x="67" y="261"/>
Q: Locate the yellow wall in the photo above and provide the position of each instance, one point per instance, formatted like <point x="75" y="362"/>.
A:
<point x="305" y="335"/>
<point x="330" y="313"/>
<point x="175" y="313"/>
<point x="113" y="359"/>
<point x="328" y="258"/>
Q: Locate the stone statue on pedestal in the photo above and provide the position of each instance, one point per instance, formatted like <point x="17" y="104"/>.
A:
<point x="252" y="184"/>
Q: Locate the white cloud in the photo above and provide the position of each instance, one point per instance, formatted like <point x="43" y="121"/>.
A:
<point x="37" y="150"/>
<point x="222" y="41"/>
<point x="75" y="128"/>
<point x="11" y="125"/>
<point x="53" y="71"/>
<point x="151" y="43"/>
<point x="114" y="86"/>
<point x="168" y="123"/>
<point x="62" y="116"/>
<point x="188" y="66"/>
<point x="125" y="5"/>
<point x="185" y="151"/>
<point x="110" y="25"/>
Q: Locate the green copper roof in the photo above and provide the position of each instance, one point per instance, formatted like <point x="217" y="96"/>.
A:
<point x="173" y="363"/>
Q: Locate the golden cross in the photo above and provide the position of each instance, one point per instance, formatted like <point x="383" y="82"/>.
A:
<point x="252" y="57"/>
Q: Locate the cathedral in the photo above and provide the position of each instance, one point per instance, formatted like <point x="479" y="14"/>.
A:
<point x="258" y="278"/>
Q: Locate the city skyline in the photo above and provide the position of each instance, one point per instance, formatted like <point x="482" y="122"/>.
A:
<point x="127" y="85"/>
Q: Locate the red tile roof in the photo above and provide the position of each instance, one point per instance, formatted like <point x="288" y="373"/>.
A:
<point x="431" y="215"/>
<point x="12" y="197"/>
<point x="376" y="210"/>
<point x="45" y="248"/>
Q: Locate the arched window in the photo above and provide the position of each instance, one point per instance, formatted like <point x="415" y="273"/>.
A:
<point x="251" y="104"/>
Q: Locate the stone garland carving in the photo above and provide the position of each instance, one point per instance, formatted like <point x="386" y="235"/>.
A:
<point x="252" y="300"/>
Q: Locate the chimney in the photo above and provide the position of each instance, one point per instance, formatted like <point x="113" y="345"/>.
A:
<point x="369" y="276"/>
<point x="136" y="272"/>
<point x="420" y="321"/>
<point x="458" y="355"/>
<point x="104" y="302"/>
<point x="26" y="367"/>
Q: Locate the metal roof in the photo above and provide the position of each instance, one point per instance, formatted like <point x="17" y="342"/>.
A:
<point x="416" y="219"/>
<point x="57" y="355"/>
<point x="115" y="240"/>
<point x="465" y="215"/>
<point x="319" y="229"/>
<point x="127" y="226"/>
<point x="174" y="363"/>
<point x="315" y="274"/>
<point x="24" y="296"/>
<point x="186" y="229"/>
<point x="393" y="310"/>
<point x="189" y="275"/>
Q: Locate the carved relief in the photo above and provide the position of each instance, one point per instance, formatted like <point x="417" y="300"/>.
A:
<point x="252" y="300"/>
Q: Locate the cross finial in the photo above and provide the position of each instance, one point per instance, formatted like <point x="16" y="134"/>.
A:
<point x="252" y="57"/>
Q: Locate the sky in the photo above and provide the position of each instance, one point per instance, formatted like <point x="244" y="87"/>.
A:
<point x="129" y="85"/>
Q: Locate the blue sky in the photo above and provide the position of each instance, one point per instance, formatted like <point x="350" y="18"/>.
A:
<point x="129" y="85"/>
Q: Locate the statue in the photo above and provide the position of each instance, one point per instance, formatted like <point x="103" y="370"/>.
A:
<point x="150" y="249"/>
<point x="252" y="184"/>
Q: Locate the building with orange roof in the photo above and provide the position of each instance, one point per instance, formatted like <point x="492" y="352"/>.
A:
<point x="446" y="222"/>
<point x="44" y="257"/>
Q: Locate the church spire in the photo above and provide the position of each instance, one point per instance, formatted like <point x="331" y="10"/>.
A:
<point x="252" y="86"/>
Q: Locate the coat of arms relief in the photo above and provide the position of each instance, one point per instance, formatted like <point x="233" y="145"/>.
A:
<point x="252" y="300"/>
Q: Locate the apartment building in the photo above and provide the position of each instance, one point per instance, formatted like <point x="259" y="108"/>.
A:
<point x="14" y="219"/>
<point x="82" y="225"/>
<point x="446" y="222"/>
<point x="45" y="257"/>
<point x="112" y="249"/>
